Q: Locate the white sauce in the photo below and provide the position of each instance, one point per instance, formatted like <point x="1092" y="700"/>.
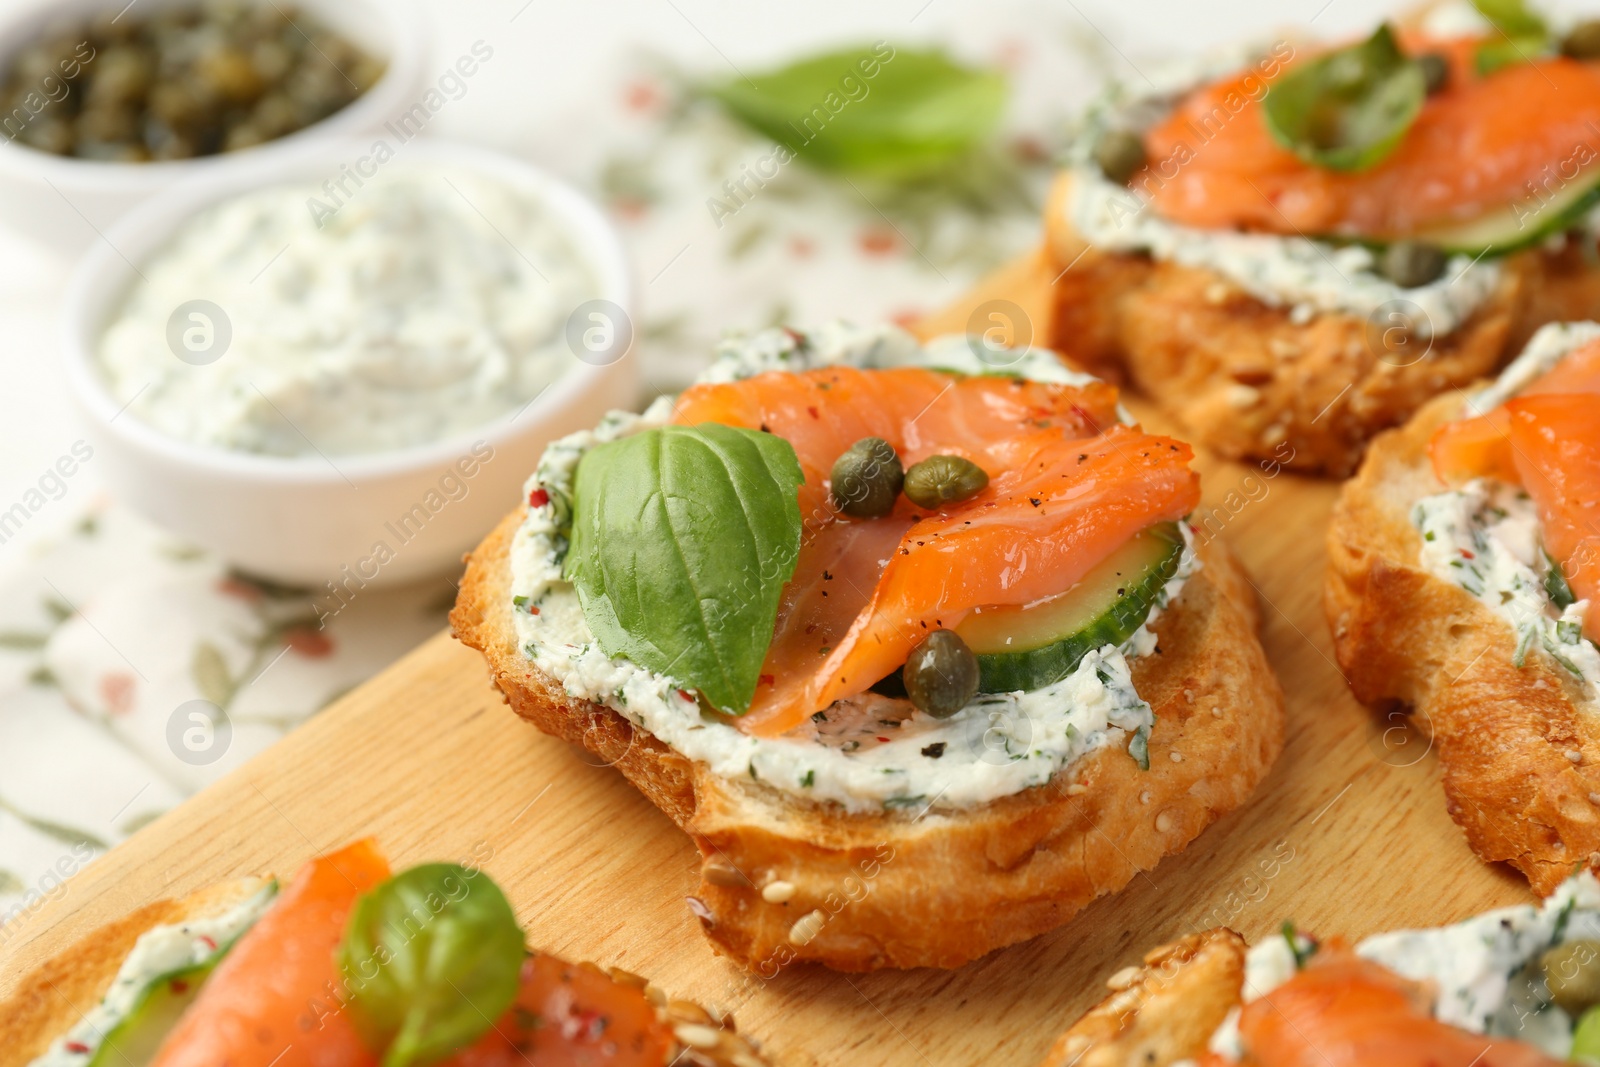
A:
<point x="406" y="317"/>
<point x="999" y="745"/>
<point x="1305" y="275"/>
<point x="1485" y="538"/>
<point x="159" y="950"/>
<point x="1479" y="967"/>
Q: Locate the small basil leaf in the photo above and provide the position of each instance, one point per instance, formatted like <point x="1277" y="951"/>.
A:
<point x="1507" y="52"/>
<point x="1512" y="18"/>
<point x="882" y="111"/>
<point x="430" y="958"/>
<point x="1348" y="109"/>
<point x="682" y="539"/>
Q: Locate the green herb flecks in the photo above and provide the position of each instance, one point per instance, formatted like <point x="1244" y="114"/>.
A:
<point x="876" y="110"/>
<point x="682" y="539"/>
<point x="1348" y="109"/>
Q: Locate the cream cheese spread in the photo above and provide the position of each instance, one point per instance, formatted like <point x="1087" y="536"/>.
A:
<point x="1484" y="536"/>
<point x="159" y="951"/>
<point x="434" y="301"/>
<point x="1484" y="970"/>
<point x="1308" y="276"/>
<point x="897" y="757"/>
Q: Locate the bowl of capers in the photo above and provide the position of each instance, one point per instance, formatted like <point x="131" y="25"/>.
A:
<point x="104" y="103"/>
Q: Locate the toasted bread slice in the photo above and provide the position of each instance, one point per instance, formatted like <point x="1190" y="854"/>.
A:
<point x="1244" y="378"/>
<point x="1521" y="757"/>
<point x="56" y="995"/>
<point x="1162" y="1012"/>
<point x="911" y="889"/>
<point x="53" y="998"/>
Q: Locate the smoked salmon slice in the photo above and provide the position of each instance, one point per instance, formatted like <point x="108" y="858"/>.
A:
<point x="567" y="1016"/>
<point x="1344" y="1011"/>
<point x="1482" y="143"/>
<point x="1481" y="447"/>
<point x="1556" y="444"/>
<point x="1546" y="439"/>
<point x="1040" y="525"/>
<point x="920" y="412"/>
<point x="276" y="998"/>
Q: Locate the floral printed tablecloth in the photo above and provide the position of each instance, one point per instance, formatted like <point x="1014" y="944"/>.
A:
<point x="115" y="640"/>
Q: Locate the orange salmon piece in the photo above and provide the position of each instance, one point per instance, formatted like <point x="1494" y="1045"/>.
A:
<point x="1556" y="446"/>
<point x="1039" y="526"/>
<point x="1344" y="1011"/>
<point x="920" y="412"/>
<point x="276" y="997"/>
<point x="1481" y="446"/>
<point x="1479" y="145"/>
<point x="567" y="1016"/>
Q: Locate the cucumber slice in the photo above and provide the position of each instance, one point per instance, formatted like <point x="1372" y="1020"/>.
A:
<point x="1028" y="647"/>
<point x="134" y="1041"/>
<point x="1520" y="225"/>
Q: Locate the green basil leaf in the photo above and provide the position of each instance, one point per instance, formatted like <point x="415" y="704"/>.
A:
<point x="1507" y="52"/>
<point x="682" y="539"/>
<point x="1512" y="18"/>
<point x="430" y="959"/>
<point x="1348" y="109"/>
<point x="877" y="110"/>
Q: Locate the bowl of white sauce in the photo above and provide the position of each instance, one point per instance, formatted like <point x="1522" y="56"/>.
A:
<point x="336" y="370"/>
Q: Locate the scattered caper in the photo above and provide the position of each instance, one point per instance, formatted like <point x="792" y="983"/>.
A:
<point x="1120" y="154"/>
<point x="866" y="479"/>
<point x="1435" y="71"/>
<point x="941" y="674"/>
<point x="940" y="480"/>
<point x="1412" y="263"/>
<point x="1572" y="971"/>
<point x="1583" y="42"/>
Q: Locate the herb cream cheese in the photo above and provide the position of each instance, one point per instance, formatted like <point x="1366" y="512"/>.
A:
<point x="160" y="950"/>
<point x="434" y="301"/>
<point x="1484" y="536"/>
<point x="890" y="755"/>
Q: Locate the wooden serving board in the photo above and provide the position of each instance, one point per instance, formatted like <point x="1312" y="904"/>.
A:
<point x="1348" y="835"/>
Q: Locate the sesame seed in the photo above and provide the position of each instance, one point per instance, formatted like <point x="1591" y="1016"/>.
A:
<point x="1163" y="822"/>
<point x="806" y="927"/>
<point x="1077" y="789"/>
<point x="1122" y="979"/>
<point x="696" y="1036"/>
<point x="778" y="893"/>
<point x="1177" y="757"/>
<point x="1144" y="798"/>
<point x="1574" y="755"/>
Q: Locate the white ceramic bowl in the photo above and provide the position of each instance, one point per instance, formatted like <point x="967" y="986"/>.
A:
<point x="303" y="520"/>
<point x="63" y="201"/>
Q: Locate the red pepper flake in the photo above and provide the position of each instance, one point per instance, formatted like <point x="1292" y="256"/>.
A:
<point x="885" y="740"/>
<point x="178" y="985"/>
<point x="767" y="679"/>
<point x="794" y="335"/>
<point x="205" y="939"/>
<point x="1468" y="554"/>
<point x="77" y="1046"/>
<point x="538" y="498"/>
<point x="533" y="610"/>
<point x="877" y="241"/>
<point x="812" y="411"/>
<point x="686" y="695"/>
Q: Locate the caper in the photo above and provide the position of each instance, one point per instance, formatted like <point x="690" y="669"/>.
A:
<point x="940" y="480"/>
<point x="1120" y="154"/>
<point x="941" y="674"/>
<point x="1412" y="263"/>
<point x="1583" y="42"/>
<point x="866" y="479"/>
<point x="1572" y="971"/>
<point x="1435" y="71"/>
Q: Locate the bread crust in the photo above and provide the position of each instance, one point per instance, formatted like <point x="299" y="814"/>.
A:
<point x="55" y="995"/>
<point x="1244" y="379"/>
<point x="906" y="889"/>
<point x="1162" y="1012"/>
<point x="1520" y="756"/>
